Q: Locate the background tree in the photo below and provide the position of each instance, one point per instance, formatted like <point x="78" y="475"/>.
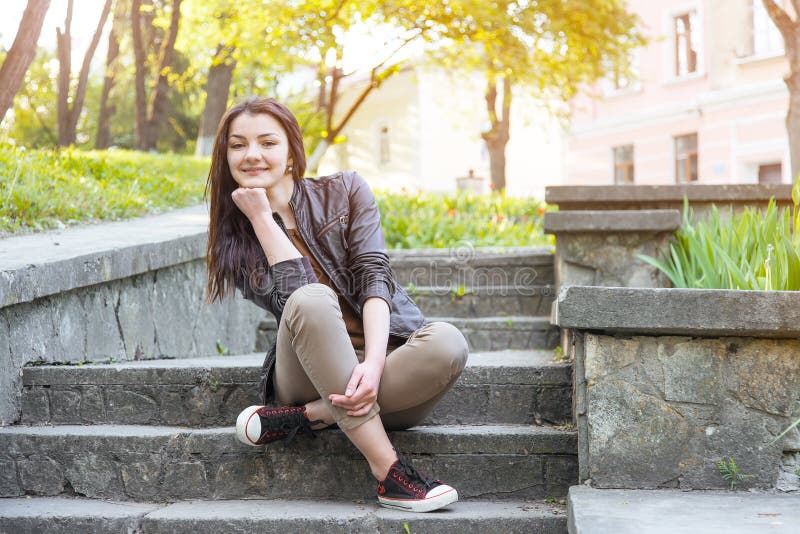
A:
<point x="22" y="52"/>
<point x="547" y="49"/>
<point x="68" y="113"/>
<point x="151" y="112"/>
<point x="112" y="68"/>
<point x="790" y="30"/>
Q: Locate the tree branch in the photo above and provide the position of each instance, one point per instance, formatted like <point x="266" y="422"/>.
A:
<point x="784" y="23"/>
<point x="83" y="78"/>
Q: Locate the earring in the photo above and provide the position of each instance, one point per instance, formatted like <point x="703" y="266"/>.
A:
<point x="289" y="169"/>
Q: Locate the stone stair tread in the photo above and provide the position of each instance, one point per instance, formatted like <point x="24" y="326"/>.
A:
<point x="511" y="439"/>
<point x="484" y="365"/>
<point x="511" y="433"/>
<point x="670" y="511"/>
<point x="261" y="515"/>
<point x="525" y="319"/>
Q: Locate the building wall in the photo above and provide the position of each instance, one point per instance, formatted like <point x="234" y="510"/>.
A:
<point x="435" y="118"/>
<point x="736" y="103"/>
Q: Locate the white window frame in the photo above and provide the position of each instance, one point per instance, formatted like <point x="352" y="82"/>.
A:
<point x="670" y="44"/>
<point x="379" y="145"/>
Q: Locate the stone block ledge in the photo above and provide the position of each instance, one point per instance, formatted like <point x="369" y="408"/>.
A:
<point x="692" y="312"/>
<point x="39" y="265"/>
<point x="611" y="197"/>
<point x="557" y="222"/>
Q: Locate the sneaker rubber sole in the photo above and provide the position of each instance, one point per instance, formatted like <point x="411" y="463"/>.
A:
<point x="438" y="497"/>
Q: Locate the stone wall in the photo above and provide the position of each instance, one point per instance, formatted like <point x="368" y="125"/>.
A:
<point x="669" y="382"/>
<point x="115" y="291"/>
<point x="653" y="197"/>
<point x="601" y="248"/>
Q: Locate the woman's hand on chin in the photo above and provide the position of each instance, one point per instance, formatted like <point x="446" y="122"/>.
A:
<point x="253" y="202"/>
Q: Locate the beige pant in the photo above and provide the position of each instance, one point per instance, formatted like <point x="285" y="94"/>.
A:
<point x="316" y="358"/>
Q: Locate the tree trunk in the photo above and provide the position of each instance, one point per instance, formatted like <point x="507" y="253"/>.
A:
<point x="217" y="88"/>
<point x="83" y="77"/>
<point x="157" y="107"/>
<point x="790" y="31"/>
<point x="21" y="54"/>
<point x="103" y="139"/>
<point x="64" y="46"/>
<point x="316" y="157"/>
<point x="140" y="56"/>
<point x="793" y="125"/>
<point x="497" y="137"/>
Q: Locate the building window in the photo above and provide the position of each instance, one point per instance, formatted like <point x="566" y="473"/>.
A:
<point x="770" y="173"/>
<point x="765" y="38"/>
<point x="623" y="164"/>
<point x="385" y="155"/>
<point x="686" y="158"/>
<point x="687" y="43"/>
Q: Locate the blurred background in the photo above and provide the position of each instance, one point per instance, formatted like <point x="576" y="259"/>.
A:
<point x="505" y="95"/>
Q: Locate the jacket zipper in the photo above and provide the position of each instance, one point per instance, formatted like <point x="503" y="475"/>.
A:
<point x="342" y="220"/>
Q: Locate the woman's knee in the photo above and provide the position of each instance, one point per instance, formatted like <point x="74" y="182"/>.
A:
<point x="312" y="298"/>
<point x="448" y="346"/>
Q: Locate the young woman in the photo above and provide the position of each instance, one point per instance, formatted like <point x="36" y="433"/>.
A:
<point x="352" y="348"/>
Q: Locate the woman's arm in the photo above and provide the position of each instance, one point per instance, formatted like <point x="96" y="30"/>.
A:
<point x="362" y="389"/>
<point x="253" y="202"/>
<point x="290" y="270"/>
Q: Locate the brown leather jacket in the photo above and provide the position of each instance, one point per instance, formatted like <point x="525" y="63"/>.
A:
<point x="339" y="221"/>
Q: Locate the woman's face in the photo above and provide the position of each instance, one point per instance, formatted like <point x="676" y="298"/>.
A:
<point x="258" y="151"/>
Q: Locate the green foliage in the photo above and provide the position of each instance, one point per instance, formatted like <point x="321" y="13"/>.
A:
<point x="41" y="189"/>
<point x="558" y="354"/>
<point x="757" y="249"/>
<point x="442" y="220"/>
<point x="730" y="472"/>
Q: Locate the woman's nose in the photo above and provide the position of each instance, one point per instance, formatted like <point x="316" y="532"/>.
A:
<point x="252" y="151"/>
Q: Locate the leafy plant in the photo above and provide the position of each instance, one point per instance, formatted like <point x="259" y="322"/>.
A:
<point x="222" y="350"/>
<point x="757" y="249"/>
<point x="730" y="472"/>
<point x="558" y="354"/>
<point x="442" y="220"/>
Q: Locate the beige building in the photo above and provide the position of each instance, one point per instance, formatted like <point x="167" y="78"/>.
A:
<point x="421" y="130"/>
<point x="709" y="105"/>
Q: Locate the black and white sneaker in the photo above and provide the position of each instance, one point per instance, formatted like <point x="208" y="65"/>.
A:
<point x="259" y="425"/>
<point x="405" y="488"/>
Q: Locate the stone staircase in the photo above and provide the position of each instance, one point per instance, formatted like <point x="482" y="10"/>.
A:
<point x="148" y="446"/>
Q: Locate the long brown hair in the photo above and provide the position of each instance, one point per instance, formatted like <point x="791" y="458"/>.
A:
<point x="233" y="251"/>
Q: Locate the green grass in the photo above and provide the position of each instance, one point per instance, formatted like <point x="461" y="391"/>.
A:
<point x="43" y="189"/>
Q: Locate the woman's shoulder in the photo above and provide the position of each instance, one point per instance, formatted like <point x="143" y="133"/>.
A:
<point x="346" y="178"/>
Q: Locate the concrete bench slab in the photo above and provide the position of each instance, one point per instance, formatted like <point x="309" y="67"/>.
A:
<point x="611" y="511"/>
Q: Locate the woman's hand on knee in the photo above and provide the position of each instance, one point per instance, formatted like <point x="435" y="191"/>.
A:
<point x="362" y="389"/>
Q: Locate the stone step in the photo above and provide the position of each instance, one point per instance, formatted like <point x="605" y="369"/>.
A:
<point x="166" y="464"/>
<point x="482" y="333"/>
<point x="470" y="267"/>
<point x="484" y="301"/>
<point x="510" y="387"/>
<point x="88" y="516"/>
<point x="673" y="511"/>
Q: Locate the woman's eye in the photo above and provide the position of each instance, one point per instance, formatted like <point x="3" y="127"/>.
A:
<point x="236" y="146"/>
<point x="268" y="143"/>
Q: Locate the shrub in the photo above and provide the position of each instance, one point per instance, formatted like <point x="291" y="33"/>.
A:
<point x="757" y="249"/>
<point x="440" y="220"/>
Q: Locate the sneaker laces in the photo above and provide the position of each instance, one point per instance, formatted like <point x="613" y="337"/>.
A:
<point x="286" y="422"/>
<point x="412" y="471"/>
